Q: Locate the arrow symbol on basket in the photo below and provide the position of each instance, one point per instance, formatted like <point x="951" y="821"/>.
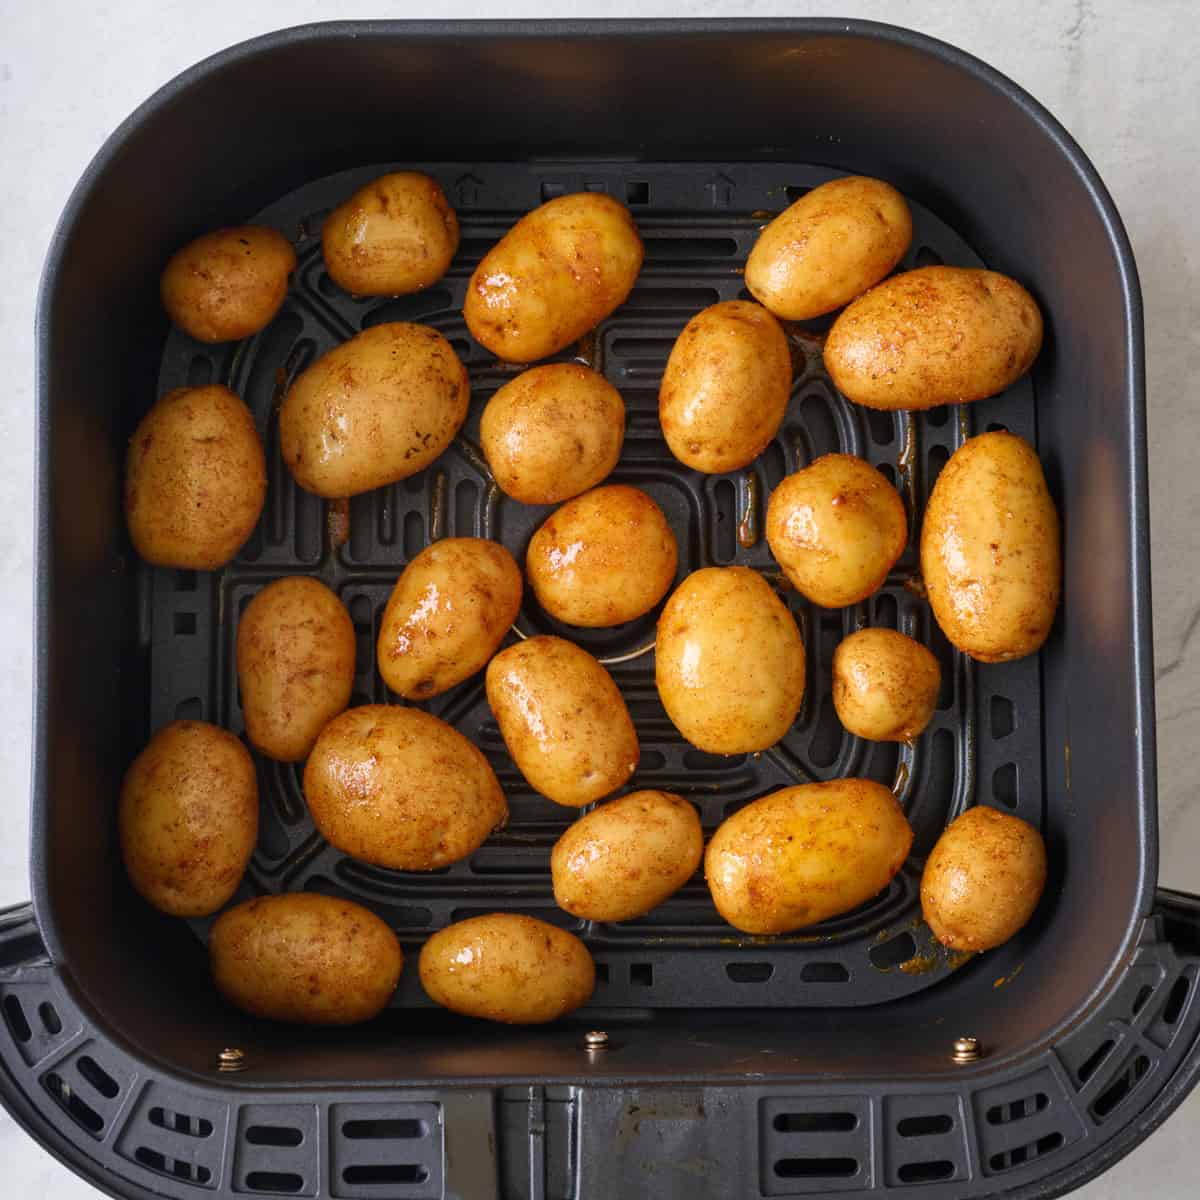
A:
<point x="466" y="188"/>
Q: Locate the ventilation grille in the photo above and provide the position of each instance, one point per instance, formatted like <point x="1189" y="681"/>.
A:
<point x="815" y="1146"/>
<point x="391" y="1151"/>
<point x="89" y="1087"/>
<point x="175" y="1135"/>
<point x="276" y="1152"/>
<point x="924" y="1140"/>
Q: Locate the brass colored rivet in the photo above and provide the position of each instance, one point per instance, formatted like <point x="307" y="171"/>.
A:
<point x="967" y="1050"/>
<point x="231" y="1059"/>
<point x="595" y="1039"/>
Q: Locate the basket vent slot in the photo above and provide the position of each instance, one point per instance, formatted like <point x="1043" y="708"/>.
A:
<point x="1089" y="1066"/>
<point x="1004" y="785"/>
<point x="815" y="1122"/>
<point x="816" y="1168"/>
<point x="824" y="972"/>
<point x="14" y="1016"/>
<point x="1176" y="998"/>
<point x="1003" y="718"/>
<point x="379" y="1173"/>
<point x="173" y="1168"/>
<point x="68" y="1099"/>
<point x="1119" y="1090"/>
<point x="98" y="1077"/>
<point x="637" y="191"/>
<point x="1005" y="1160"/>
<point x="177" y="1122"/>
<point x="1139" y="1001"/>
<point x="284" y="1183"/>
<point x="925" y="1126"/>
<point x="749" y="972"/>
<point x="1018" y="1110"/>
<point x="893" y="952"/>
<point x="274" y="1135"/>
<point x="641" y="974"/>
<point x="372" y="1130"/>
<point x="51" y="1021"/>
<point x="926" y="1172"/>
<point x="387" y="1150"/>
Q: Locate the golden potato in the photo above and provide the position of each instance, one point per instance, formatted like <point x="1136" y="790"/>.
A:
<point x="376" y="409"/>
<point x="295" y="665"/>
<point x="726" y="387"/>
<point x="188" y="818"/>
<point x="563" y="720"/>
<point x="195" y="479"/>
<point x="729" y="661"/>
<point x="399" y="788"/>
<point x="885" y="685"/>
<point x="305" y="958"/>
<point x="836" y="528"/>
<point x="990" y="550"/>
<point x="983" y="879"/>
<point x="507" y="967"/>
<point x="807" y="853"/>
<point x="447" y="615"/>
<point x="228" y="284"/>
<point x="937" y="335"/>
<point x="558" y="272"/>
<point x="552" y="433"/>
<point x="830" y="246"/>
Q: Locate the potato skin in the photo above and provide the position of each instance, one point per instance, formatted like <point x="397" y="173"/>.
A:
<point x="400" y="788"/>
<point x="374" y="410"/>
<point x="188" y="818"/>
<point x="804" y="854"/>
<point x="990" y="549"/>
<point x="552" y="433"/>
<point x="937" y="335"/>
<point x="983" y="879"/>
<point x="726" y="387"/>
<point x="558" y="272"/>
<point x="507" y="967"/>
<point x="195" y="479"/>
<point x="563" y="720"/>
<point x="830" y="246"/>
<point x="729" y="662"/>
<point x="885" y="685"/>
<point x="304" y="958"/>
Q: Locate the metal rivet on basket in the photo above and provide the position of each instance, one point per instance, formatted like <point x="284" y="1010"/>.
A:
<point x="595" y="1039"/>
<point x="231" y="1059"/>
<point x="967" y="1050"/>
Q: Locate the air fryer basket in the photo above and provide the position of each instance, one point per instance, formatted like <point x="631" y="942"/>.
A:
<point x="734" y="1066"/>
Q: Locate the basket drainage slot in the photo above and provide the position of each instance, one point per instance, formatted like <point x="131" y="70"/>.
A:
<point x="893" y="952"/>
<point x="1089" y="1066"/>
<point x="935" y="1123"/>
<point x="1007" y="1159"/>
<point x="816" y="1168"/>
<point x="1175" y="1001"/>
<point x="1018" y="1110"/>
<point x="378" y="1130"/>
<point x="749" y="972"/>
<point x="98" y="1077"/>
<point x="815" y="1122"/>
<point x="273" y="1135"/>
<point x="386" y="1173"/>
<point x="173" y="1167"/>
<point x="824" y="972"/>
<point x="198" y="1127"/>
<point x="926" y="1172"/>
<point x="274" y="1181"/>
<point x="1115" y="1094"/>
<point x="82" y="1113"/>
<point x="51" y="1021"/>
<point x="14" y="1015"/>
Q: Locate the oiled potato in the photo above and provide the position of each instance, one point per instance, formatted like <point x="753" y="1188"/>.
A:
<point x="399" y="788"/>
<point x="447" y="615"/>
<point x="937" y="335"/>
<point x="983" y="879"/>
<point x="830" y="246"/>
<point x="726" y="387"/>
<point x="305" y="958"/>
<point x="195" y="479"/>
<point x="836" y="528"/>
<point x="188" y="818"/>
<point x="558" y="272"/>
<point x="885" y="685"/>
<point x="375" y="409"/>
<point x="990" y="551"/>
<point x="552" y="432"/>
<point x="563" y="720"/>
<point x="807" y="853"/>
<point x="507" y="967"/>
<point x="604" y="558"/>
<point x="295" y="665"/>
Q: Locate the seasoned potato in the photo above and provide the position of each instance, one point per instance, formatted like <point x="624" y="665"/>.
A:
<point x="836" y="528"/>
<point x="552" y="433"/>
<point x="983" y="879"/>
<point x="447" y="615"/>
<point x="830" y="246"/>
<point x="399" y="788"/>
<point x="990" y="549"/>
<point x="188" y="818"/>
<point x="726" y="387"/>
<point x="885" y="685"/>
<point x="396" y="235"/>
<point x="563" y="720"/>
<point x="378" y="408"/>
<point x="558" y="272"/>
<point x="195" y="479"/>
<point x="295" y="665"/>
<point x="305" y="958"/>
<point x="807" y="853"/>
<point x="937" y="335"/>
<point x="507" y="967"/>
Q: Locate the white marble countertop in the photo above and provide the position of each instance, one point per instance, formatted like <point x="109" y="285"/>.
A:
<point x="1121" y="77"/>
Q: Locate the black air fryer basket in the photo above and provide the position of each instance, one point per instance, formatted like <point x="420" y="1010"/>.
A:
<point x="734" y="1066"/>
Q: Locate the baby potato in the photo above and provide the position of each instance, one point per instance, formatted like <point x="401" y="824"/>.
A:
<point x="295" y="665"/>
<point x="395" y="235"/>
<point x="447" y="615"/>
<point x="726" y="387"/>
<point x="885" y="685"/>
<point x="990" y="550"/>
<point x="983" y="879"/>
<point x="399" y="788"/>
<point x="552" y="433"/>
<point x="729" y="661"/>
<point x="507" y="967"/>
<point x="228" y="284"/>
<point x="374" y="410"/>
<point x="558" y="272"/>
<point x="836" y="528"/>
<point x="937" y="335"/>
<point x="195" y="479"/>
<point x="188" y="818"/>
<point x="563" y="720"/>
<point x="830" y="246"/>
<point x="305" y="958"/>
<point x="604" y="558"/>
<point x="807" y="853"/>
